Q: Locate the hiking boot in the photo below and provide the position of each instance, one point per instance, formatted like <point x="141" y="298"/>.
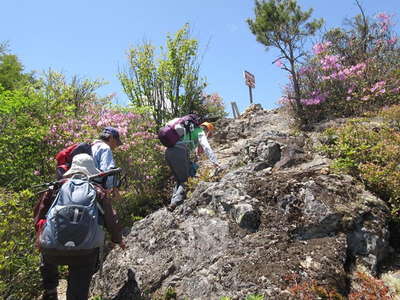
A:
<point x="172" y="206"/>
<point x="50" y="296"/>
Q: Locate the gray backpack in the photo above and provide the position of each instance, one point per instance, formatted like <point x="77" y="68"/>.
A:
<point x="73" y="225"/>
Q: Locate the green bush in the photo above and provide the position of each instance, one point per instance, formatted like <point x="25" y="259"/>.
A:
<point x="22" y="146"/>
<point x="19" y="260"/>
<point x="370" y="152"/>
<point x="34" y="128"/>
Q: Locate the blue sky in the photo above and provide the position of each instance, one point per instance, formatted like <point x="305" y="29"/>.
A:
<point x="90" y="38"/>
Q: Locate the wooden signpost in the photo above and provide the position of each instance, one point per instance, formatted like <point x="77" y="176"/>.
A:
<point x="250" y="81"/>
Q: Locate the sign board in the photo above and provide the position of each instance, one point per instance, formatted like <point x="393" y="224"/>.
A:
<point x="249" y="79"/>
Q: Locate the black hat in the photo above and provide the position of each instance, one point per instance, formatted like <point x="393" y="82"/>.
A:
<point x="114" y="132"/>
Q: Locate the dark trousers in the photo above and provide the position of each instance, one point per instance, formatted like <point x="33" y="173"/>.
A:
<point x="80" y="274"/>
<point x="177" y="158"/>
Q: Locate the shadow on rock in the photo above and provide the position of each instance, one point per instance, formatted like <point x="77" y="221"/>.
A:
<point x="130" y="290"/>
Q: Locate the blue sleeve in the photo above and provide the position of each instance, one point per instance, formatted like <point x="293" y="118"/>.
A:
<point x="107" y="163"/>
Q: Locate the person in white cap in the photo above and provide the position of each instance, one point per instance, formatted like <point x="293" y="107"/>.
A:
<point x="82" y="164"/>
<point x="81" y="267"/>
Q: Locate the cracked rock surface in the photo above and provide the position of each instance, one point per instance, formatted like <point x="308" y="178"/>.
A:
<point x="276" y="210"/>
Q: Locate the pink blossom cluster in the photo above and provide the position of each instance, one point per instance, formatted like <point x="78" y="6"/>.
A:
<point x="316" y="98"/>
<point x="321" y="47"/>
<point x="117" y="119"/>
<point x="214" y="99"/>
<point x="345" y="73"/>
<point x="69" y="130"/>
<point x="125" y="123"/>
<point x="65" y="132"/>
<point x="286" y="100"/>
<point x="279" y="63"/>
<point x="305" y="70"/>
<point x="389" y="41"/>
<point x="393" y="40"/>
<point x="330" y="62"/>
<point x="384" y="21"/>
<point x="378" y="87"/>
<point x="92" y="113"/>
<point x="345" y="81"/>
<point x="396" y="90"/>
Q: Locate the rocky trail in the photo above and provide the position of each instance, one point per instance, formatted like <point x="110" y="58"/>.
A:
<point x="274" y="217"/>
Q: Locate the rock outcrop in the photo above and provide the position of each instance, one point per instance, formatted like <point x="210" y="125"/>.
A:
<point x="275" y="212"/>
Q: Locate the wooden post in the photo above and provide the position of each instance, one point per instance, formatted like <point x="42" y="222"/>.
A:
<point x="235" y="110"/>
<point x="251" y="95"/>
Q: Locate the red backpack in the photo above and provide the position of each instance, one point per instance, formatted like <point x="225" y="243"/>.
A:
<point x="64" y="157"/>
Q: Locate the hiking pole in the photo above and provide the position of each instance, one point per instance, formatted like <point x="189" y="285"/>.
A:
<point x="61" y="181"/>
<point x="106" y="173"/>
<point x="49" y="185"/>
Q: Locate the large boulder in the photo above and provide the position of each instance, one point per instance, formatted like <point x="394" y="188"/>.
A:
<point x="274" y="214"/>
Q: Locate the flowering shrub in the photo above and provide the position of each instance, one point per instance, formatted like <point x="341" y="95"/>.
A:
<point x="140" y="156"/>
<point x="350" y="72"/>
<point x="33" y="129"/>
<point x="213" y="106"/>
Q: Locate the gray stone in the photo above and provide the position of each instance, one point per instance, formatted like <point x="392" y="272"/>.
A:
<point x="275" y="211"/>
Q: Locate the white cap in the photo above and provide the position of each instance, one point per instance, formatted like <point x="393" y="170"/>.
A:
<point x="82" y="163"/>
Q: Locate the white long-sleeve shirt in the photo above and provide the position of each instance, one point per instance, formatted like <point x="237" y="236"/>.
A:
<point x="203" y="142"/>
<point x="199" y="138"/>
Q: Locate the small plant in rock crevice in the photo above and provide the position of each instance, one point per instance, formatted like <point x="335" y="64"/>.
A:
<point x="205" y="174"/>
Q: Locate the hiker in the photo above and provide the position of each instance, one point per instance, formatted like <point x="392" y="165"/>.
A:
<point x="109" y="139"/>
<point x="65" y="156"/>
<point x="178" y="159"/>
<point x="81" y="263"/>
<point x="100" y="149"/>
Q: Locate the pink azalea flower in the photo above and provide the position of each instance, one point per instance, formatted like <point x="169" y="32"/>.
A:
<point x="321" y="47"/>
<point x="278" y="63"/>
<point x="392" y="41"/>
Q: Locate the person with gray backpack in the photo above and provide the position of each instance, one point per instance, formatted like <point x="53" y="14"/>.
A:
<point x="70" y="221"/>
